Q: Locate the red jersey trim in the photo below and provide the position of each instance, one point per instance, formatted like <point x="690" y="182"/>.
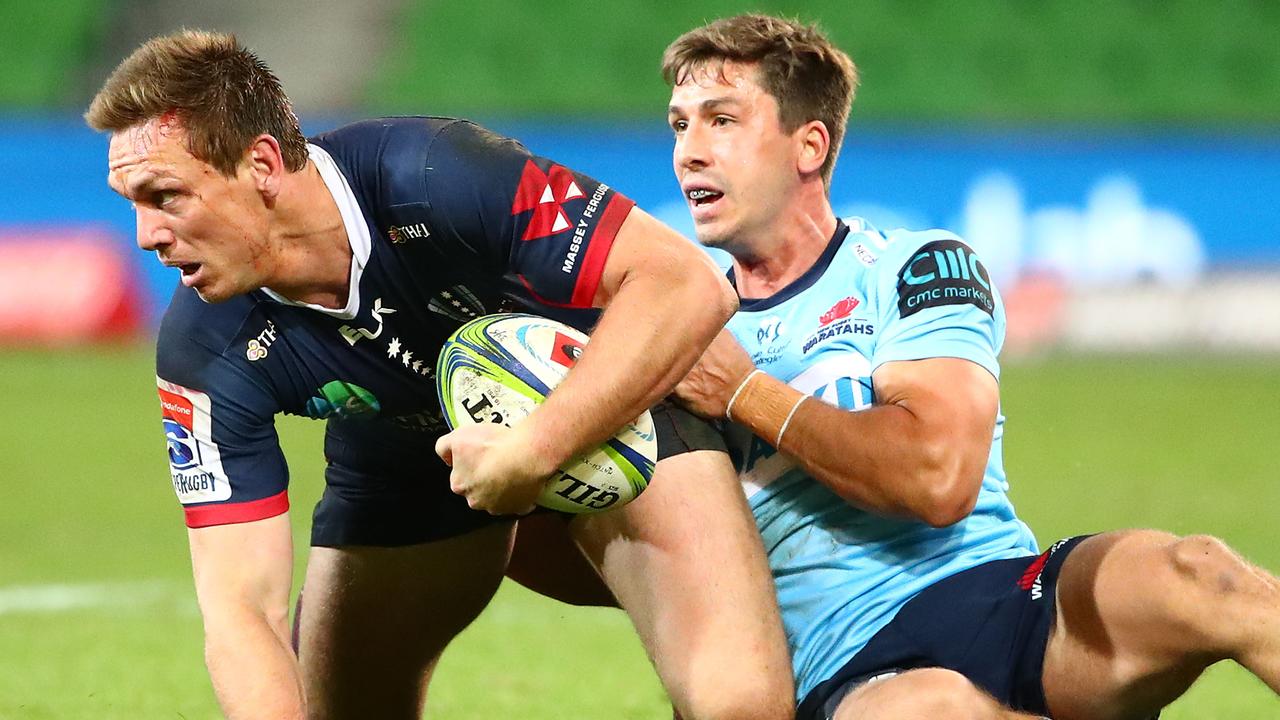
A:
<point x="584" y="291"/>
<point x="233" y="513"/>
<point x="545" y="301"/>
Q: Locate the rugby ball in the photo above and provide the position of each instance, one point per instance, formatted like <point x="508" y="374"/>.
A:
<point x="498" y="368"/>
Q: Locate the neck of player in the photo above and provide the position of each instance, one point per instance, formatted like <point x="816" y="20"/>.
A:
<point x="313" y="253"/>
<point x="773" y="256"/>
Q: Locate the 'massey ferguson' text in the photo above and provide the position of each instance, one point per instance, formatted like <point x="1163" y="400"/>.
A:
<point x="580" y="232"/>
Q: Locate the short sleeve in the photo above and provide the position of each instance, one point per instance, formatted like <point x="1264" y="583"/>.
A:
<point x="526" y="216"/>
<point x="938" y="302"/>
<point x="224" y="457"/>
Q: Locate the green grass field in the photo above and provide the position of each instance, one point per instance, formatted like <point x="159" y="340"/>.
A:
<point x="97" y="619"/>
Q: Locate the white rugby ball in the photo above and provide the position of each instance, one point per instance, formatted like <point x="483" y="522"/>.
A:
<point x="498" y="368"/>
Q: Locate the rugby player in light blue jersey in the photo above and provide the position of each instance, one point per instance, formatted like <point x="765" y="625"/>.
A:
<point x="861" y="381"/>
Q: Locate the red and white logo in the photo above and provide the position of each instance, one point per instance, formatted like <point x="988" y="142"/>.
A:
<point x="544" y="194"/>
<point x="839" y="310"/>
<point x="566" y="350"/>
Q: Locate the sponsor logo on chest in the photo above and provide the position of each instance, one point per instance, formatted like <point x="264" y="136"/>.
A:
<point x="354" y="335"/>
<point x="401" y="234"/>
<point x="837" y="322"/>
<point x="257" y="346"/>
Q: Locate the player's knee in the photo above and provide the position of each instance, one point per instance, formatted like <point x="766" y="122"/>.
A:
<point x="933" y="693"/>
<point x="1206" y="564"/>
<point x="1218" y="593"/>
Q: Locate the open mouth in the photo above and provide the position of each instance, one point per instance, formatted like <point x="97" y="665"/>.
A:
<point x="189" y="272"/>
<point x="703" y="196"/>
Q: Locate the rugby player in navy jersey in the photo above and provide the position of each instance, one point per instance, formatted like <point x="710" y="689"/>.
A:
<point x="859" y="376"/>
<point x="320" y="278"/>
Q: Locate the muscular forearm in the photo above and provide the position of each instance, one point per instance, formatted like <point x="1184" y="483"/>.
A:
<point x="252" y="666"/>
<point x="652" y="332"/>
<point x="243" y="574"/>
<point x="882" y="459"/>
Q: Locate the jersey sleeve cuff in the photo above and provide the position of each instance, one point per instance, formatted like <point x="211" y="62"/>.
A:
<point x="584" y="291"/>
<point x="233" y="513"/>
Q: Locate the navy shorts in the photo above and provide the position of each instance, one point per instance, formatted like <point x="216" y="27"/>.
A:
<point x="385" y="486"/>
<point x="990" y="623"/>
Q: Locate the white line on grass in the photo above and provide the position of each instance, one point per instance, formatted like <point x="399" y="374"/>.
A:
<point x="66" y="597"/>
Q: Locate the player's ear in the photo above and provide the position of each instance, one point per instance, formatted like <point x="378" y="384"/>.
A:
<point x="815" y="143"/>
<point x="266" y="165"/>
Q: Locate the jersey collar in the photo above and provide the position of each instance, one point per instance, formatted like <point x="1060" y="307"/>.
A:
<point x="800" y="284"/>
<point x="357" y="235"/>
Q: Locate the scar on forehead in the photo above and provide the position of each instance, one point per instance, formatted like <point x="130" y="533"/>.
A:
<point x="142" y="138"/>
<point x="147" y="135"/>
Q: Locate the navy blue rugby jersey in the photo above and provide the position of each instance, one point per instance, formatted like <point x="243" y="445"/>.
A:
<point x="447" y="221"/>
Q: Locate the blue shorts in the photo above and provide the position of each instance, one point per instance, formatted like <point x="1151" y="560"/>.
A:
<point x="386" y="487"/>
<point x="990" y="623"/>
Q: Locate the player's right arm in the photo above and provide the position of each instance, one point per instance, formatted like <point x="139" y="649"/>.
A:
<point x="920" y="451"/>
<point x="243" y="574"/>
<point x="230" y="477"/>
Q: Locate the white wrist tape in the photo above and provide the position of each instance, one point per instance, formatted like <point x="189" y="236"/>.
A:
<point x="778" y="443"/>
<point x="728" y="409"/>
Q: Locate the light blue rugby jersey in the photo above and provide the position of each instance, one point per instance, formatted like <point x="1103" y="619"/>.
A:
<point x="873" y="297"/>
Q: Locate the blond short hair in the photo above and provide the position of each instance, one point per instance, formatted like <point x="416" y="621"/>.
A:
<point x="221" y="92"/>
<point x="810" y="78"/>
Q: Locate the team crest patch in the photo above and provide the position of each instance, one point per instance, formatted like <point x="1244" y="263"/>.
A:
<point x="945" y="272"/>
<point x="835" y="322"/>
<point x="195" y="462"/>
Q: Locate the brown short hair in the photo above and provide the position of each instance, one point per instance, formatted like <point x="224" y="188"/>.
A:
<point x="809" y="77"/>
<point x="223" y="94"/>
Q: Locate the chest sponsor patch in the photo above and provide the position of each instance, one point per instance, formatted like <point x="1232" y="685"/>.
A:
<point x="835" y="322"/>
<point x="194" y="460"/>
<point x="945" y="272"/>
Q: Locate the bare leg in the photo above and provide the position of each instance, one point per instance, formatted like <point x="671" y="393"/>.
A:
<point x="546" y="560"/>
<point x="686" y="562"/>
<point x="375" y="620"/>
<point x="1142" y="613"/>
<point x="926" y="694"/>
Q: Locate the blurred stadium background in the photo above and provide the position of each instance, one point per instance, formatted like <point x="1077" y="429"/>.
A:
<point x="1116" y="163"/>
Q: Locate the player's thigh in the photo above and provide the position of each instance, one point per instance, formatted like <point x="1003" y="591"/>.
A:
<point x="687" y="564"/>
<point x="1123" y="627"/>
<point x="923" y="694"/>
<point x="547" y="561"/>
<point x="373" y="620"/>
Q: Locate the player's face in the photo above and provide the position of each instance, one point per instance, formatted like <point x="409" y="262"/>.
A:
<point x="735" y="164"/>
<point x="211" y="227"/>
